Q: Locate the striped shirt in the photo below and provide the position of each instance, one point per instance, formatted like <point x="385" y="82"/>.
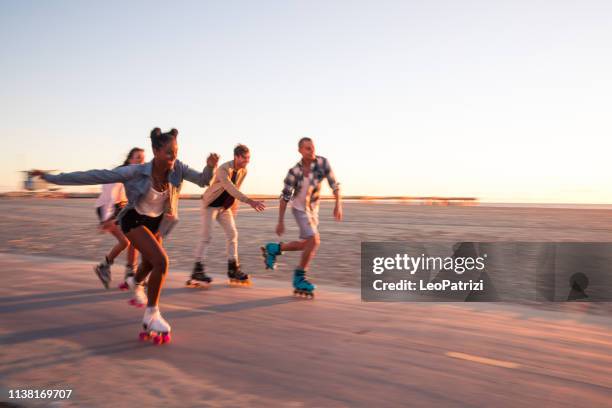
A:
<point x="320" y="169"/>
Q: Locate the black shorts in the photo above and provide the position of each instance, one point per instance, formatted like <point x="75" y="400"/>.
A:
<point x="118" y="208"/>
<point x="132" y="219"/>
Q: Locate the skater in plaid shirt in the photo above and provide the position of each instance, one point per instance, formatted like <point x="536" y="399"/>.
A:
<point x="302" y="189"/>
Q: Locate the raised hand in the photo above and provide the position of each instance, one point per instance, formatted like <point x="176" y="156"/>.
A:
<point x="212" y="160"/>
<point x="36" y="173"/>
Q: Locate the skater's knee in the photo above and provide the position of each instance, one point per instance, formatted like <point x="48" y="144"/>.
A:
<point x="124" y="243"/>
<point x="314" y="241"/>
<point x="161" y="263"/>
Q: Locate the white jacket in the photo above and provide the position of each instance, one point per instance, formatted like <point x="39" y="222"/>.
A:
<point x="111" y="194"/>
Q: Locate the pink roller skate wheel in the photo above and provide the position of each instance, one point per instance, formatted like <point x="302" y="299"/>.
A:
<point x="144" y="336"/>
<point x="134" y="303"/>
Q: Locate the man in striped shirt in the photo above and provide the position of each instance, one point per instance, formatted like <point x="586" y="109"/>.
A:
<point x="302" y="188"/>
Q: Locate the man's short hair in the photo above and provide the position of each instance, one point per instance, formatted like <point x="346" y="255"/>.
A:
<point x="240" y="150"/>
<point x="302" y="140"/>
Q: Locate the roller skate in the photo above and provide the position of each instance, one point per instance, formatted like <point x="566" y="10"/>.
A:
<point x="301" y="286"/>
<point x="199" y="278"/>
<point x="236" y="276"/>
<point x="269" y="252"/>
<point x="140" y="297"/>
<point x="130" y="270"/>
<point x="103" y="272"/>
<point x="155" y="327"/>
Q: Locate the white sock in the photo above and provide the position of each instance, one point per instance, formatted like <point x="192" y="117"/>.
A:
<point x="152" y="309"/>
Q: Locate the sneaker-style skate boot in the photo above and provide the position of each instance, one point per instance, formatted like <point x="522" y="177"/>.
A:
<point x="301" y="286"/>
<point x="199" y="278"/>
<point x="269" y="252"/>
<point x="103" y="272"/>
<point x="130" y="270"/>
<point x="235" y="274"/>
<point x="140" y="297"/>
<point x="155" y="327"/>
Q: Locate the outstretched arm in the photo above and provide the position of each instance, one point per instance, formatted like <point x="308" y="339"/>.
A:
<point x="226" y="182"/>
<point x="202" y="179"/>
<point x="89" y="177"/>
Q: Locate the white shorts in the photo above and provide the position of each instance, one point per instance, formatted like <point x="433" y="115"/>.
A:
<point x="307" y="221"/>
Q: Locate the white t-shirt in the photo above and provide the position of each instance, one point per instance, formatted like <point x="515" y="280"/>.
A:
<point x="111" y="194"/>
<point x="152" y="204"/>
<point x="299" y="201"/>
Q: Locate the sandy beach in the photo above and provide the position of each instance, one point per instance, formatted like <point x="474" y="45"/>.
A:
<point x="68" y="228"/>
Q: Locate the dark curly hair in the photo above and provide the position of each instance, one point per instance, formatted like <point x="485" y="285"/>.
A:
<point x="159" y="139"/>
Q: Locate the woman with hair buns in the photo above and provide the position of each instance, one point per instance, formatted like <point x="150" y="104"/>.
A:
<point x="152" y="190"/>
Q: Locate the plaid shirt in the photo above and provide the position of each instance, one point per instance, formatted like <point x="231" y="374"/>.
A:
<point x="320" y="169"/>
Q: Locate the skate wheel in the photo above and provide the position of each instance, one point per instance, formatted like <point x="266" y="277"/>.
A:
<point x="123" y="286"/>
<point x="166" y="338"/>
<point x="134" y="303"/>
<point x="303" y="294"/>
<point x="157" y="339"/>
<point x="143" y="336"/>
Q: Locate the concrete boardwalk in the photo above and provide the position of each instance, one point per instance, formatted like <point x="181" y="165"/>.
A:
<point x="260" y="346"/>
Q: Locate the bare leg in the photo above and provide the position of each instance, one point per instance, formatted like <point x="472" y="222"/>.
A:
<point x="131" y="255"/>
<point x="122" y="243"/>
<point x="293" y="245"/>
<point x="310" y="249"/>
<point x="308" y="246"/>
<point x="143" y="271"/>
<point x="152" y="251"/>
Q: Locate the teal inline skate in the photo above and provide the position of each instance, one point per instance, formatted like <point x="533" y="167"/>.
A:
<point x="301" y="286"/>
<point x="269" y="252"/>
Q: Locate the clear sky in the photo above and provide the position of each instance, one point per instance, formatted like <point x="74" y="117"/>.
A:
<point x="502" y="100"/>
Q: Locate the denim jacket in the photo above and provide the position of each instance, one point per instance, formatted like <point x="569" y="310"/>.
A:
<point x="137" y="181"/>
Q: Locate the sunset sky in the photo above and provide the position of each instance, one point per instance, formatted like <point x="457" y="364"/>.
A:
<point x="507" y="101"/>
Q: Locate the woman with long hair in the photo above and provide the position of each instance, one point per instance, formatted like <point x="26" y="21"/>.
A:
<point x="153" y="190"/>
<point x="108" y="205"/>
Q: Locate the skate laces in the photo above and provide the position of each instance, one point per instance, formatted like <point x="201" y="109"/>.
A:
<point x="150" y="315"/>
